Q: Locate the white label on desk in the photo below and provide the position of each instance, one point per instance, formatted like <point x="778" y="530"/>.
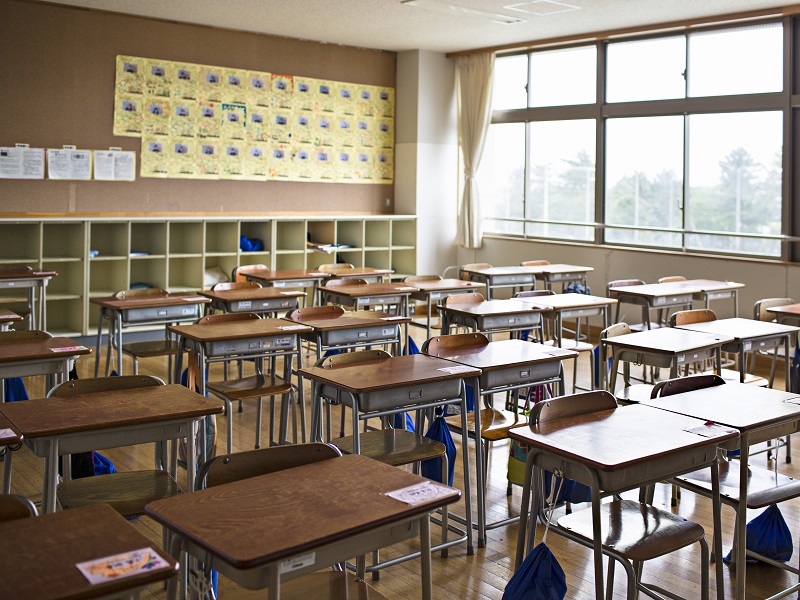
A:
<point x="422" y="492"/>
<point x="187" y="311"/>
<point x="288" y="293"/>
<point x="396" y="318"/>
<point x="455" y="369"/>
<point x="6" y="433"/>
<point x="406" y="289"/>
<point x="681" y="358"/>
<point x="245" y="304"/>
<point x="710" y="430"/>
<point x="297" y="562"/>
<point x="435" y="295"/>
<point x="69" y="349"/>
<point x="362" y="301"/>
<point x="278" y="284"/>
<point x="747" y="346"/>
<point x="317" y="273"/>
<point x="660" y="300"/>
<point x="111" y="568"/>
<point x="194" y="299"/>
<point x="387" y="331"/>
<point x="289" y="327"/>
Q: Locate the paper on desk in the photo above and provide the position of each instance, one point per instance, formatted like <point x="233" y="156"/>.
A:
<point x="395" y="318"/>
<point x="194" y="298"/>
<point x="455" y="369"/>
<point x="710" y="430"/>
<point x="287" y="327"/>
<point x="122" y="565"/>
<point x="69" y="349"/>
<point x="422" y="492"/>
<point x="6" y="433"/>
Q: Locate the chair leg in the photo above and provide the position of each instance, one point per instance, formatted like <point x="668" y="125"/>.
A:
<point x="259" y="406"/>
<point x="229" y="418"/>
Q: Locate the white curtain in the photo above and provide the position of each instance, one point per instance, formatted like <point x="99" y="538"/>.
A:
<point x="474" y="85"/>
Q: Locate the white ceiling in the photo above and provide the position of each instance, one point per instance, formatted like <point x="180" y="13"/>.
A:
<point x="391" y="25"/>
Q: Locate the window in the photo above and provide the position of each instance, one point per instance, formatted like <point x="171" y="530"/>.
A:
<point x="510" y="86"/>
<point x="646" y="70"/>
<point x="502" y="179"/>
<point x="547" y="77"/>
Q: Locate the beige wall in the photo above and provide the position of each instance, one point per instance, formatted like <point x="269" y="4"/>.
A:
<point x="57" y="82"/>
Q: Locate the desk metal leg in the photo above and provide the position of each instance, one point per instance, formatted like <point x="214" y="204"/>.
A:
<point x="479" y="466"/>
<point x="717" y="541"/>
<point x="740" y="528"/>
<point x="99" y="341"/>
<point x="7" y="470"/>
<point x="51" y="478"/>
<point x="425" y="557"/>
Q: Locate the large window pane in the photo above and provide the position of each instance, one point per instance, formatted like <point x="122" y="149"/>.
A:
<point x="510" y="83"/>
<point x="739" y="61"/>
<point x="564" y="77"/>
<point x="561" y="178"/>
<point x="501" y="179"/>
<point x="735" y="181"/>
<point x="646" y="70"/>
<point x="644" y="158"/>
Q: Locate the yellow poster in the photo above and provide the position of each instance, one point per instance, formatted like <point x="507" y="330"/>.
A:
<point x="365" y="104"/>
<point x="302" y="127"/>
<point x="345" y="136"/>
<point x="130" y="75"/>
<point x="232" y="162"/>
<point x="385" y="136"/>
<point x="258" y="125"/>
<point x="157" y="79"/>
<point x="362" y="170"/>
<point x="234" y="83"/>
<point x="208" y="159"/>
<point x="281" y="126"/>
<point x="344" y="164"/>
<point x="303" y="162"/>
<point x="183" y="158"/>
<point x="256" y="162"/>
<point x="234" y="121"/>
<point x="282" y="87"/>
<point x="209" y="123"/>
<point x="128" y="115"/>
<point x="184" y="80"/>
<point x="384" y="165"/>
<point x="345" y="99"/>
<point x="324" y="169"/>
<point x="155" y="157"/>
<point x="279" y="163"/>
<point x="157" y="116"/>
<point x="304" y="94"/>
<point x="325" y="100"/>
<point x="366" y="132"/>
<point x="324" y="132"/>
<point x="258" y="87"/>
<point x="210" y="84"/>
<point x="385" y="102"/>
<point x="183" y="120"/>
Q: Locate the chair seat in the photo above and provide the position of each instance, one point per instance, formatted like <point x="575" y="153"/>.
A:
<point x="254" y="386"/>
<point x="636" y="531"/>
<point x="325" y="585"/>
<point x="127" y="492"/>
<point x="571" y="344"/>
<point x="633" y="394"/>
<point x="495" y="423"/>
<point x="393" y="447"/>
<point x="150" y="348"/>
<point x="764" y="486"/>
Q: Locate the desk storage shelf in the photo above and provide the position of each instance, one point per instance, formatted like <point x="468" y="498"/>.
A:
<point x="97" y="257"/>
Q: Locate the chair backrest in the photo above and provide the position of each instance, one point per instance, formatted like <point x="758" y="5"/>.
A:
<point x="572" y="406"/>
<point x="470" y="298"/>
<point x="24" y="334"/>
<point x="14" y="507"/>
<point x="471" y="267"/>
<point x="236" y="285"/>
<point x="227" y="468"/>
<point x="671" y="279"/>
<point x="331" y="267"/>
<point x="534" y="263"/>
<point x="226" y="318"/>
<point x="144" y="292"/>
<point x="315" y="312"/>
<point x="434" y="345"/>
<point x="239" y="273"/>
<point x="347" y="358"/>
<point x="75" y="387"/>
<point x="679" y="385"/>
<point x="760" y="307"/>
<point x="615" y="330"/>
<point x="332" y="283"/>
<point x="621" y="283"/>
<point x="413" y="278"/>
<point x="687" y="317"/>
<point x="534" y="293"/>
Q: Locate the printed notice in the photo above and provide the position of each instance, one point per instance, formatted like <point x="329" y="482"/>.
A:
<point x="395" y="318"/>
<point x="710" y="430"/>
<point x="21" y="163"/>
<point x="422" y="492"/>
<point x="113" y="165"/>
<point x="69" y="349"/>
<point x="118" y="566"/>
<point x="69" y="164"/>
<point x="7" y="433"/>
<point x="456" y="369"/>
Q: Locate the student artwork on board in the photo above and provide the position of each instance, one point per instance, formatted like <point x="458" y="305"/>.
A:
<point x="304" y="99"/>
<point x="183" y="159"/>
<point x="184" y="81"/>
<point x="259" y="90"/>
<point x="209" y="120"/>
<point x="324" y="169"/>
<point x="345" y="99"/>
<point x="302" y="130"/>
<point x="344" y="164"/>
<point x="325" y="101"/>
<point x="384" y="165"/>
<point x="257" y="127"/>
<point x="234" y="121"/>
<point x="183" y="120"/>
<point x="365" y="103"/>
<point x="232" y="162"/>
<point x="279" y="163"/>
<point x="157" y="116"/>
<point x="385" y="102"/>
<point x="324" y="134"/>
<point x="385" y="133"/>
<point x="128" y="115"/>
<point x="345" y="135"/>
<point x="235" y="86"/>
<point x="210" y="84"/>
<point x="365" y="133"/>
<point x="130" y="75"/>
<point x="155" y="157"/>
<point x="158" y="81"/>
<point x="282" y="87"/>
<point x="362" y="170"/>
<point x="281" y="126"/>
<point x="256" y="161"/>
<point x="303" y="162"/>
<point x="208" y="163"/>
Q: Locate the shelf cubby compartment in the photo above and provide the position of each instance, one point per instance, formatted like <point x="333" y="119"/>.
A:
<point x="65" y="317"/>
<point x="185" y="274"/>
<point x="256" y="230"/>
<point x="404" y="262"/>
<point x="109" y="240"/>
<point x="149" y="238"/>
<point x="321" y="232"/>
<point x="350" y="233"/>
<point x="69" y="283"/>
<point x="19" y="243"/>
<point x="222" y="237"/>
<point x="377" y="259"/>
<point x="186" y="238"/>
<point x="108" y="276"/>
<point x="63" y="242"/>
<point x="377" y="234"/>
<point x="353" y="256"/>
<point x="226" y="263"/>
<point x="149" y="270"/>
<point x="404" y="233"/>
<point x="290" y="260"/>
<point x="255" y="258"/>
<point x="290" y="236"/>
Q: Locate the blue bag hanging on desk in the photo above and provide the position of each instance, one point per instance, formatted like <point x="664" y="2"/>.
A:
<point x="15" y="389"/>
<point x="769" y="536"/>
<point x="432" y="468"/>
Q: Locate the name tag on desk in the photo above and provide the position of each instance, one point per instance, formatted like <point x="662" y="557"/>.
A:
<point x="297" y="562"/>
<point x="245" y="304"/>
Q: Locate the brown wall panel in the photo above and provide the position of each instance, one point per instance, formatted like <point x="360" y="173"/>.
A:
<point x="57" y="87"/>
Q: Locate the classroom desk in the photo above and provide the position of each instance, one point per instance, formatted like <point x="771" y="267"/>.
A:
<point x="234" y="340"/>
<point x="563" y="274"/>
<point x="789" y="312"/>
<point x="293" y="522"/>
<point x="55" y="426"/>
<point x="9" y="436"/>
<point x="571" y="306"/>
<point x="12" y="277"/>
<point x="759" y="414"/>
<point x="264" y="300"/>
<point x="492" y="316"/>
<point x="8" y="317"/>
<point x="664" y="347"/>
<point x="679" y="293"/>
<point x="439" y="289"/>
<point x="289" y="278"/>
<point x="42" y="553"/>
<point x="505" y="365"/>
<point x="368" y="274"/>
<point x="522" y="277"/>
<point x="748" y="336"/>
<point x="141" y="310"/>
<point x="389" y="386"/>
<point x="613" y="451"/>
<point x="49" y="356"/>
<point x="362" y="295"/>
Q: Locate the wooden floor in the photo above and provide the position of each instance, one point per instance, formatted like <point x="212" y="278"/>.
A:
<point x="485" y="574"/>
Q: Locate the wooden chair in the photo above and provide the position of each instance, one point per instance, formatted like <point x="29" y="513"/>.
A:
<point x="641" y="302"/>
<point x="14" y="507"/>
<point x="331" y="267"/>
<point x="760" y="313"/>
<point x="126" y="492"/>
<point x="254" y="387"/>
<point x="545" y="326"/>
<point x="534" y="263"/>
<point x="663" y="315"/>
<point x="413" y="278"/>
<point x="471" y="267"/>
<point x="633" y="532"/>
<point x="148" y="348"/>
<point x="231" y="285"/>
<point x="630" y="393"/>
<point x="574" y="343"/>
<point x="764" y="486"/>
<point x="239" y="273"/>
<point x="467" y="298"/>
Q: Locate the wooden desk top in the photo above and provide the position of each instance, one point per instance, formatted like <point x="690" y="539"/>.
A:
<point x="238" y="330"/>
<point x="612" y="440"/>
<point x="12" y="272"/>
<point x="737" y="405"/>
<point x="386" y="373"/>
<point x="6" y="316"/>
<point x="369" y="289"/>
<point x="115" y="303"/>
<point x="503" y="354"/>
<point x="447" y="285"/>
<point x="789" y="310"/>
<point x="351" y="320"/>
<point x="284" y="274"/>
<point x="492" y="307"/>
<point x="567" y="301"/>
<point x="742" y="329"/>
<point x="262" y="293"/>
<point x="43" y="348"/>
<point x="690" y="286"/>
<point x="535" y="270"/>
<point x="358" y="271"/>
<point x="49" y="417"/>
<point x="709" y="285"/>
<point x="257" y="521"/>
<point x="668" y="340"/>
<point x="47" y="548"/>
<point x="12" y="439"/>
